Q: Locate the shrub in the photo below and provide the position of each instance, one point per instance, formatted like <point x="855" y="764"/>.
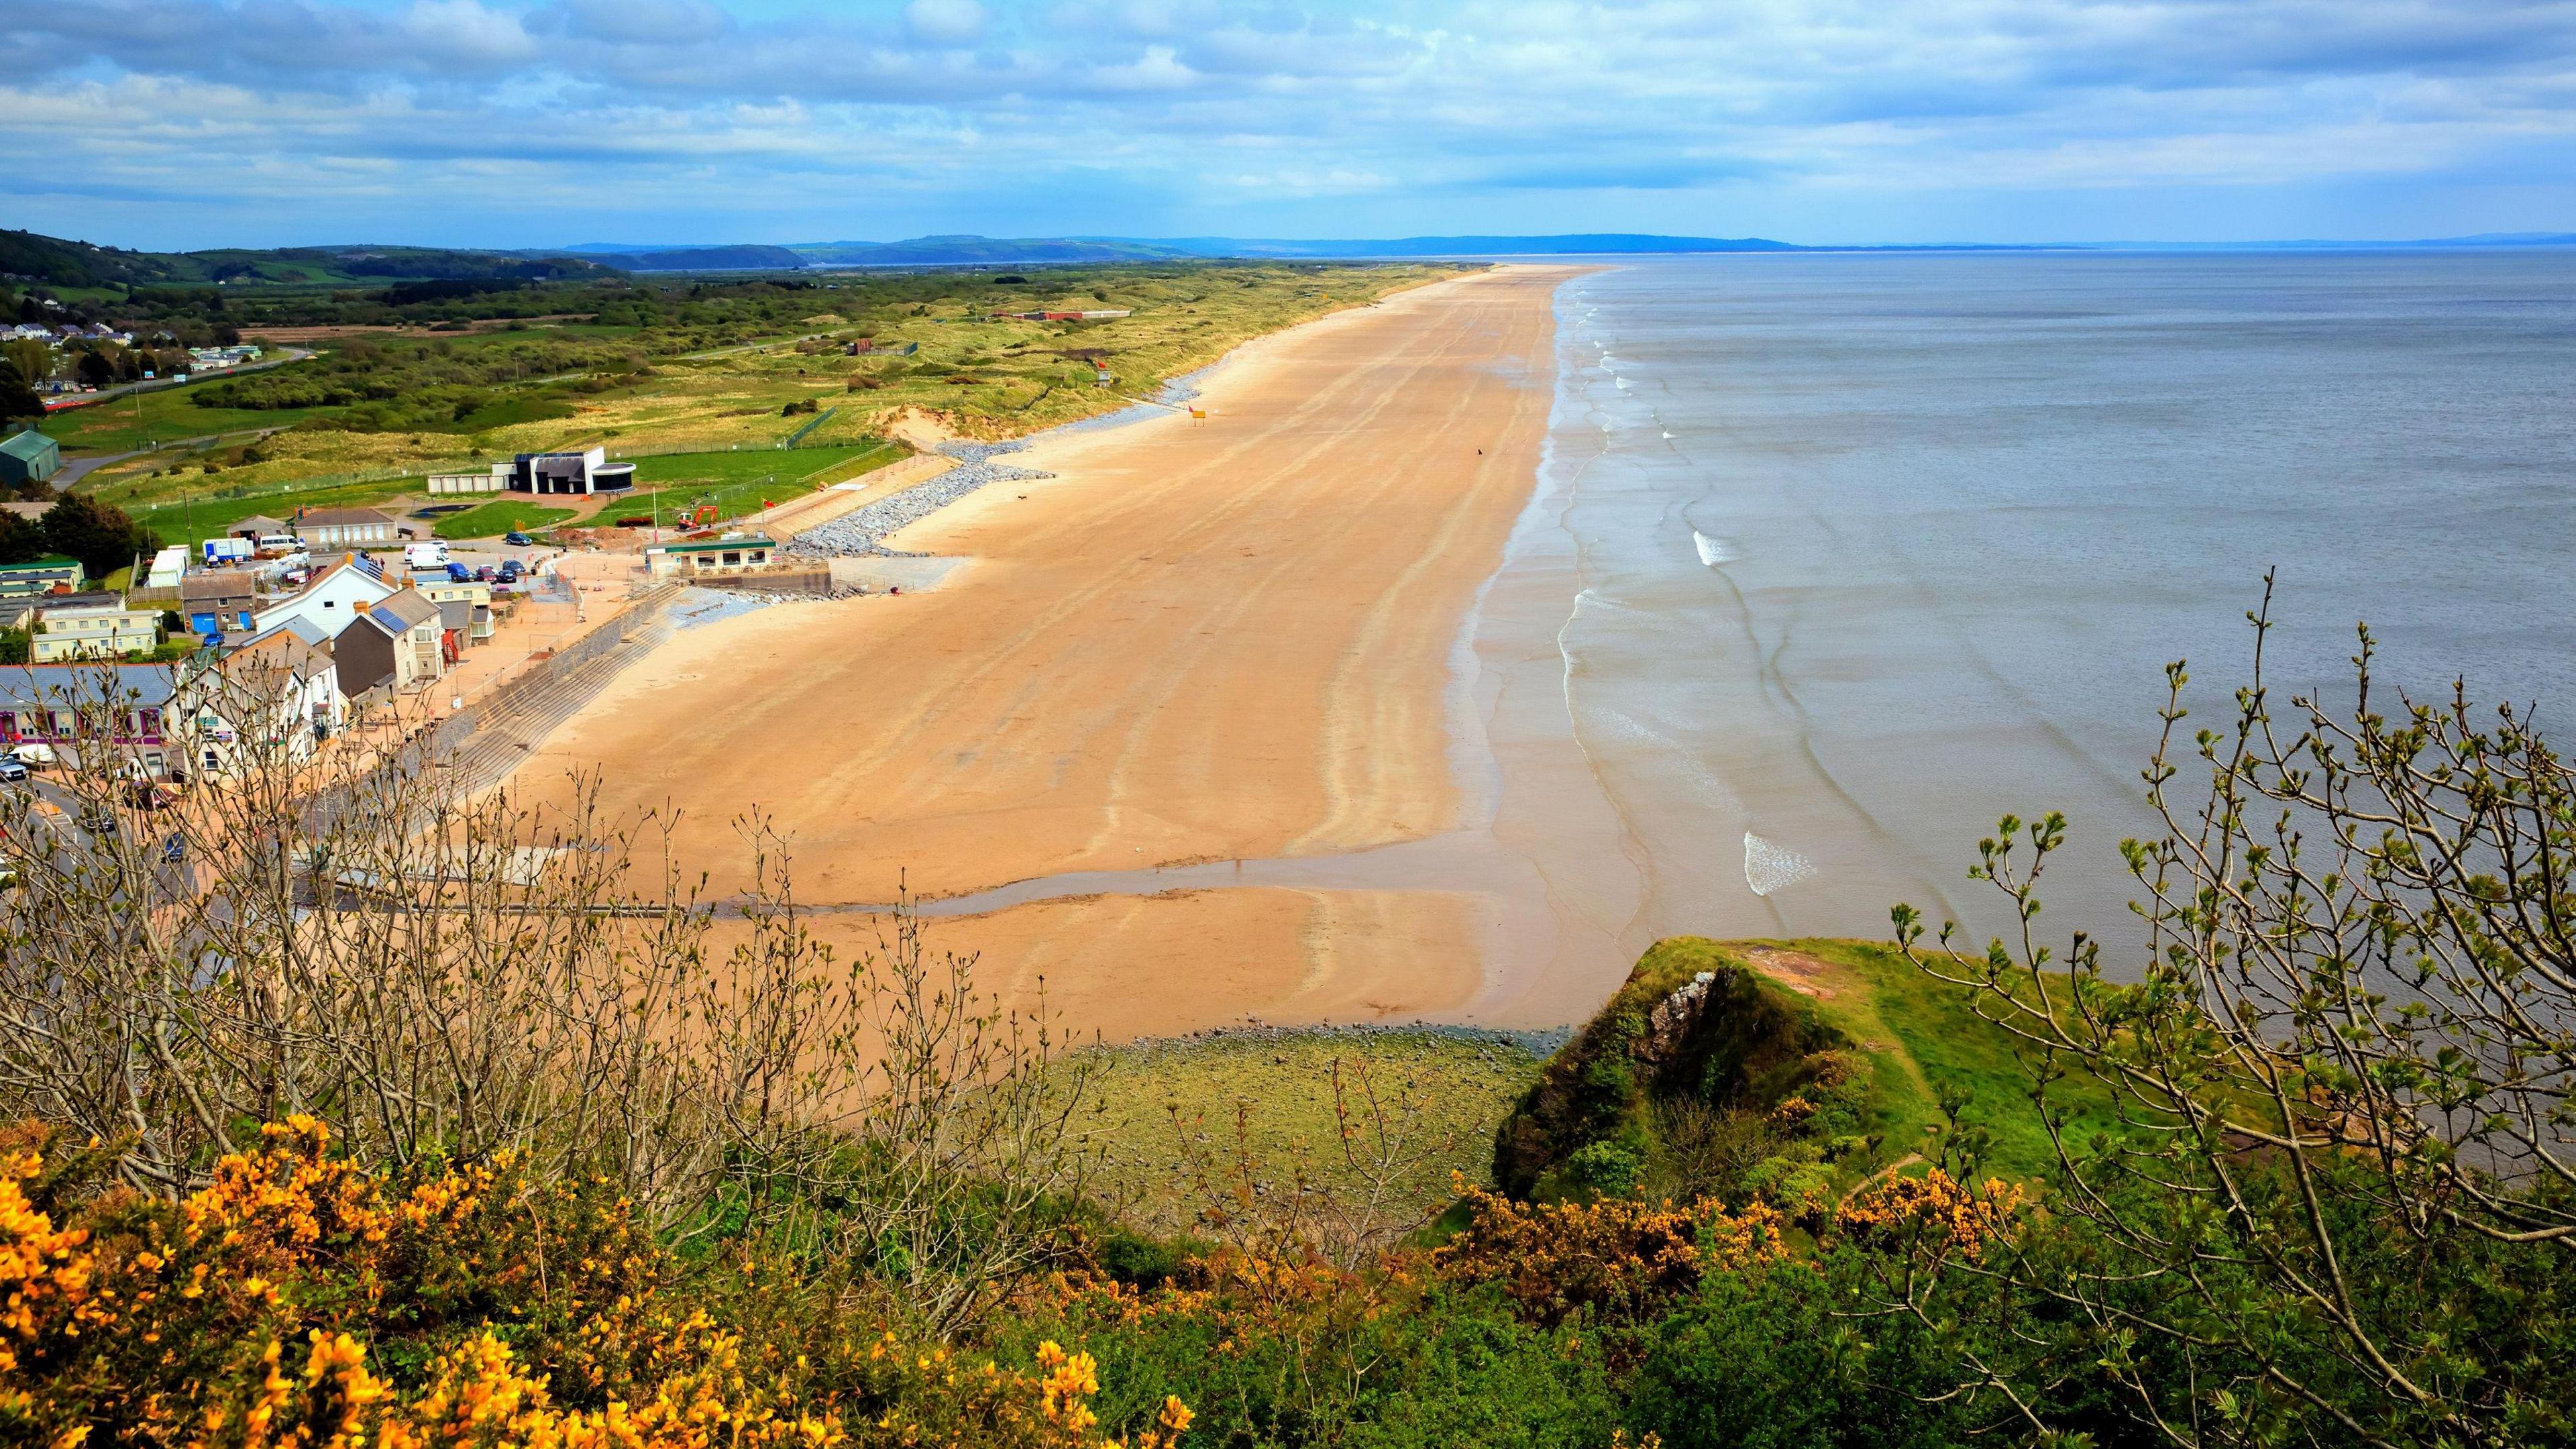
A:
<point x="300" y="1299"/>
<point x="1619" y="1260"/>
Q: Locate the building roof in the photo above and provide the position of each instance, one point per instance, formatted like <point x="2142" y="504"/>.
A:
<point x="302" y="626"/>
<point x="278" y="649"/>
<point x="90" y="599"/>
<point x="148" y="686"/>
<point x="29" y="446"/>
<point x="257" y="523"/>
<point x="340" y="517"/>
<point x="456" y="613"/>
<point x="214" y="584"/>
<point x="50" y="563"/>
<point x="345" y="563"/>
<point x="28" y="511"/>
<point x="718" y="544"/>
<point x="407" y="609"/>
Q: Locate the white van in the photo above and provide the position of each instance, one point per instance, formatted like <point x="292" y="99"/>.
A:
<point x="432" y="555"/>
<point x="277" y="543"/>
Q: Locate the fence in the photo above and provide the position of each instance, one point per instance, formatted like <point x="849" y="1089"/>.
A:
<point x="483" y="744"/>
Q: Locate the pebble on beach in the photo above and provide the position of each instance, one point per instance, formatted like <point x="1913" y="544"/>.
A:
<point x="860" y="534"/>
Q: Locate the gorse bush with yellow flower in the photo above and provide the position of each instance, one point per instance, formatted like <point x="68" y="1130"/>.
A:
<point x="299" y="1299"/>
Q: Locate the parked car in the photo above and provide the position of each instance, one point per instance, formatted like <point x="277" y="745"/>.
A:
<point x="458" y="573"/>
<point x="510" y="571"/>
<point x="150" y="795"/>
<point x="516" y="539"/>
<point x="175" y="849"/>
<point x="32" y="752"/>
<point x="483" y="573"/>
<point x="12" y="769"/>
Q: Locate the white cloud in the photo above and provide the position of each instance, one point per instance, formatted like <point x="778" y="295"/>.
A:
<point x="945" y="22"/>
<point x="1199" y="104"/>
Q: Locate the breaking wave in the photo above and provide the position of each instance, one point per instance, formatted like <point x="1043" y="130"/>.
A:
<point x="1712" y="551"/>
<point x="1769" y="867"/>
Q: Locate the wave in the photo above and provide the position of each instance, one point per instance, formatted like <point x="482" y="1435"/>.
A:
<point x="1712" y="551"/>
<point x="1668" y="435"/>
<point x="1769" y="867"/>
<point x="1621" y="383"/>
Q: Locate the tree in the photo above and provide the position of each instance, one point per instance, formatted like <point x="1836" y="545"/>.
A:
<point x="97" y="368"/>
<point x="20" y="540"/>
<point x="33" y="355"/>
<point x="2341" y="1202"/>
<point x="102" y="537"/>
<point x="17" y="399"/>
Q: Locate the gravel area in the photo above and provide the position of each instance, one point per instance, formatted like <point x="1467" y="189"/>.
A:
<point x="859" y="534"/>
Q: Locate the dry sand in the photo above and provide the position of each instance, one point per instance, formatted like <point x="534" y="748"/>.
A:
<point x="1215" y="640"/>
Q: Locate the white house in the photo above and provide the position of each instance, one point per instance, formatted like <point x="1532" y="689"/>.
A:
<point x="331" y="598"/>
<point x="275" y="692"/>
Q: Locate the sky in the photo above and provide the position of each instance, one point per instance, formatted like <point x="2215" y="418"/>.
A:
<point x="174" y="124"/>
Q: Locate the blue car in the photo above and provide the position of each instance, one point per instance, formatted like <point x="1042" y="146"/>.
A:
<point x="517" y="539"/>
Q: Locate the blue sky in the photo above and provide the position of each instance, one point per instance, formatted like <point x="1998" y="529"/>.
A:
<point x="167" y="123"/>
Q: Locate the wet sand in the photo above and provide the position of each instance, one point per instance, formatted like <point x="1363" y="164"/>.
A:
<point x="1199" y="641"/>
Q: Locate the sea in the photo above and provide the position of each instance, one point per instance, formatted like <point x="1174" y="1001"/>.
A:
<point x="1835" y="559"/>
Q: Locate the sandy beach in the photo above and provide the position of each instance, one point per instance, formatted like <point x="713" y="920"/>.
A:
<point x="1198" y="641"/>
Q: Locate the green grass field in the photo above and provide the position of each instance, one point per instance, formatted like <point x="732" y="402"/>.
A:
<point x="208" y="517"/>
<point x="139" y="420"/>
<point x="736" y="482"/>
<point x="1454" y="1088"/>
<point x="493" y="519"/>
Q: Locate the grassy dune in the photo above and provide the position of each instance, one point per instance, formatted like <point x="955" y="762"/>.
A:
<point x="1445" y="1091"/>
<point x="972" y="374"/>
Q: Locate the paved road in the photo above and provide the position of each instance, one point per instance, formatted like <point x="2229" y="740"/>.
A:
<point x="75" y="469"/>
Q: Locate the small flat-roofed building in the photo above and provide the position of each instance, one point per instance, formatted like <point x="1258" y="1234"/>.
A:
<point x="345" y="528"/>
<point x="29" y="457"/>
<point x="582" y="473"/>
<point x="709" y="555"/>
<point x="54" y="575"/>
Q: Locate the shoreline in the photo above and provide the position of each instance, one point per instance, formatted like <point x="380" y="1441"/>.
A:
<point x="1199" y="641"/>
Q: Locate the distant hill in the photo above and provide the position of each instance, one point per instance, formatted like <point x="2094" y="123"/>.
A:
<point x="80" y="264"/>
<point x="934" y="251"/>
<point x="746" y="257"/>
<point x="1577" y="244"/>
<point x="992" y="251"/>
<point x="60" y="263"/>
